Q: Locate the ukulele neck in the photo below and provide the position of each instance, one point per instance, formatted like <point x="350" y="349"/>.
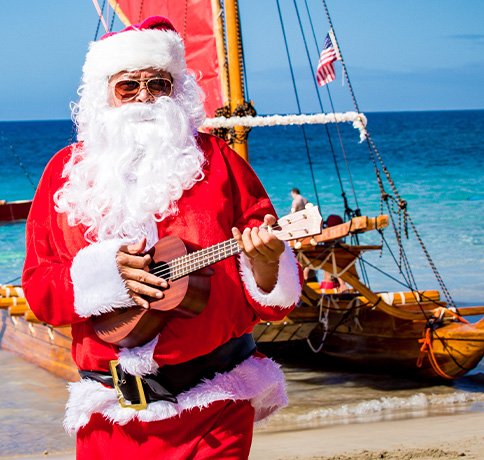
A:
<point x="203" y="258"/>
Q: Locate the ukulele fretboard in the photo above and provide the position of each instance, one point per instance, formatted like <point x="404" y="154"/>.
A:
<point x="200" y="259"/>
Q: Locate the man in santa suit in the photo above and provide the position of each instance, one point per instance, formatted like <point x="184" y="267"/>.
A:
<point x="140" y="172"/>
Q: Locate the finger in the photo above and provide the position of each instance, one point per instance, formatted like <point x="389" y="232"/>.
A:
<point x="271" y="241"/>
<point x="127" y="260"/>
<point x="237" y="236"/>
<point x="265" y="246"/>
<point x="248" y="243"/>
<point x="142" y="276"/>
<point x="134" y="249"/>
<point x="255" y="247"/>
<point x="256" y="240"/>
<point x="139" y="300"/>
<point x="269" y="219"/>
<point x="137" y="248"/>
<point x="143" y="289"/>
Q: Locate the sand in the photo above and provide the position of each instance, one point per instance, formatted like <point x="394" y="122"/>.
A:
<point x="443" y="437"/>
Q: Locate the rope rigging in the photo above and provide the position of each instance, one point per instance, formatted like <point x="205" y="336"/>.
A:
<point x="298" y="104"/>
<point x="19" y="161"/>
<point x="404" y="218"/>
<point x="403" y="221"/>
<point x="343" y="194"/>
<point x="349" y="213"/>
<point x="99" y="20"/>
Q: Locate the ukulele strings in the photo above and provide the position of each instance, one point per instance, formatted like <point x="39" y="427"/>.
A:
<point x="187" y="264"/>
<point x="199" y="259"/>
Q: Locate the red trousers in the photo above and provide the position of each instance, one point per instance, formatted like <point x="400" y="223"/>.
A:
<point x="221" y="431"/>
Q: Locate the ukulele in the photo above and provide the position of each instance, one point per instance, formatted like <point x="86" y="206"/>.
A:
<point x="188" y="273"/>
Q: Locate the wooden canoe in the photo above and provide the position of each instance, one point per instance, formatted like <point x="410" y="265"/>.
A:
<point x="14" y="210"/>
<point x="22" y="333"/>
<point x="411" y="332"/>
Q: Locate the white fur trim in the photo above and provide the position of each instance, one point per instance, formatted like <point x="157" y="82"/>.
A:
<point x="288" y="288"/>
<point x="135" y="50"/>
<point x="98" y="286"/>
<point x="259" y="380"/>
<point x="139" y="360"/>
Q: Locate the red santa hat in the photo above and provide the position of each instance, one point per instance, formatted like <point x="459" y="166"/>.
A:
<point x="152" y="43"/>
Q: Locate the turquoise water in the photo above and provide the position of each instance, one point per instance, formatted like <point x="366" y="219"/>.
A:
<point x="436" y="160"/>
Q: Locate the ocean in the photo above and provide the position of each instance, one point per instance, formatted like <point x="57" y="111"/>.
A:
<point x="435" y="160"/>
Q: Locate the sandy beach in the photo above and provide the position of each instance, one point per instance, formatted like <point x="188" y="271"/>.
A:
<point x="443" y="437"/>
<point x="32" y="411"/>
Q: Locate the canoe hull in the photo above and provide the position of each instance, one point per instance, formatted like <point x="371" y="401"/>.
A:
<point x="45" y="346"/>
<point x="372" y="338"/>
<point x="14" y="210"/>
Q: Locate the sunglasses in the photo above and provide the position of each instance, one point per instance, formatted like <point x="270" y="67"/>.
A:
<point x="127" y="90"/>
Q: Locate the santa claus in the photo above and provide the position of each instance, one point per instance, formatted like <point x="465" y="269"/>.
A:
<point x="142" y="171"/>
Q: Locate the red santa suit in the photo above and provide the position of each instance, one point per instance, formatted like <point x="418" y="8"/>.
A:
<point x="66" y="281"/>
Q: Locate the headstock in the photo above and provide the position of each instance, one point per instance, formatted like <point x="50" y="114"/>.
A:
<point x="301" y="224"/>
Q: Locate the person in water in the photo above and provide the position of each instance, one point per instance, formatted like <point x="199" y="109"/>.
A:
<point x="142" y="171"/>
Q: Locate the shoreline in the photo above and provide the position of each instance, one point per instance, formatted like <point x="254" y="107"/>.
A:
<point x="446" y="437"/>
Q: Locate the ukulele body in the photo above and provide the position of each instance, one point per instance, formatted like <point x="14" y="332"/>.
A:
<point x="185" y="297"/>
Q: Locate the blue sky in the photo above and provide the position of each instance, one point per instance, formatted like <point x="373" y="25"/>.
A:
<point x="401" y="56"/>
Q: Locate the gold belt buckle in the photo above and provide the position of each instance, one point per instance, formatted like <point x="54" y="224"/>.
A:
<point x="142" y="397"/>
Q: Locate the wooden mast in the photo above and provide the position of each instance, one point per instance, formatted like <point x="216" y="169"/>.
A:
<point x="219" y="30"/>
<point x="235" y="70"/>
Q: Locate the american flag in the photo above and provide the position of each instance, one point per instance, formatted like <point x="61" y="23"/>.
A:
<point x="325" y="72"/>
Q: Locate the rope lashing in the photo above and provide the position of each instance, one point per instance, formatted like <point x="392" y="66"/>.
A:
<point x="427" y="349"/>
<point x="221" y="132"/>
<point x="426" y="341"/>
<point x="241" y="111"/>
<point x="226" y="131"/>
<point x="358" y="119"/>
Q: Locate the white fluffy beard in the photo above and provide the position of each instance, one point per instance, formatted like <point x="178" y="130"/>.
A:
<point x="134" y="164"/>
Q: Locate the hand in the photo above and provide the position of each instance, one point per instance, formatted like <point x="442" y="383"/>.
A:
<point x="131" y="265"/>
<point x="264" y="249"/>
<point x="258" y="244"/>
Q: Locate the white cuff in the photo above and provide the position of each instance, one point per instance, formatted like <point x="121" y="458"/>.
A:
<point x="139" y="360"/>
<point x="98" y="286"/>
<point x="287" y="290"/>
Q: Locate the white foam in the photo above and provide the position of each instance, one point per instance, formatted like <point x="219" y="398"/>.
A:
<point x="384" y="408"/>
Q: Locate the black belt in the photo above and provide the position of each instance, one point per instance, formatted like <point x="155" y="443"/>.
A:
<point x="171" y="380"/>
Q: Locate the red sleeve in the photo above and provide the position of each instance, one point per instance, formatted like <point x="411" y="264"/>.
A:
<point x="251" y="204"/>
<point x="46" y="276"/>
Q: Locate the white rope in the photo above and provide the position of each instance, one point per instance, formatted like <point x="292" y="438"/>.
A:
<point x="325" y="324"/>
<point x="358" y="119"/>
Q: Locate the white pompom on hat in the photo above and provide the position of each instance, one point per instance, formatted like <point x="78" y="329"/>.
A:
<point x="153" y="43"/>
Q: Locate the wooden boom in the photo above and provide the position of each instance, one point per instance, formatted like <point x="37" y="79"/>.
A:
<point x="356" y="225"/>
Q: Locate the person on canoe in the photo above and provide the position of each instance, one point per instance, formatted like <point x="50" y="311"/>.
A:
<point x="298" y="201"/>
<point x="142" y="172"/>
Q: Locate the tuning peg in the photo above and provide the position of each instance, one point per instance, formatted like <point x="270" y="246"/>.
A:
<point x="313" y="242"/>
<point x="297" y="245"/>
<point x="309" y="205"/>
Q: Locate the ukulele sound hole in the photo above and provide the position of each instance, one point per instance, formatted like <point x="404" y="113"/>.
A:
<point x="160" y="269"/>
